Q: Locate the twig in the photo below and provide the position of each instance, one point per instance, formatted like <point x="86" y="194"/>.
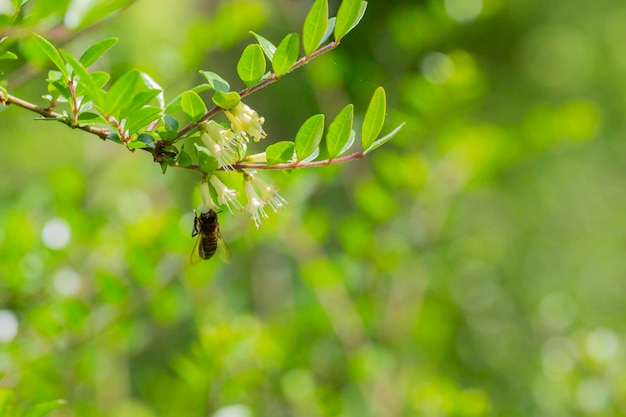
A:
<point x="102" y="133"/>
<point x="295" y="165"/>
<point x="243" y="93"/>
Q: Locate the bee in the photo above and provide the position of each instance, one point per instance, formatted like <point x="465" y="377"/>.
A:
<point x="207" y="228"/>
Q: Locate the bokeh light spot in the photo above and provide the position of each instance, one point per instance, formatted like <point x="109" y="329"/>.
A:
<point x="463" y="10"/>
<point x="8" y="326"/>
<point x="437" y="67"/>
<point x="557" y="357"/>
<point x="557" y="310"/>
<point x="591" y="395"/>
<point x="133" y="205"/>
<point x="66" y="281"/>
<point x="56" y="234"/>
<point x="601" y="344"/>
<point x="233" y="411"/>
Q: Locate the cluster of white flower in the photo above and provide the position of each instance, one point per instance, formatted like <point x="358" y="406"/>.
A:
<point x="258" y="195"/>
<point x="227" y="146"/>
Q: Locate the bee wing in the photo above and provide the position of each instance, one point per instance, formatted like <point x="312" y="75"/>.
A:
<point x="222" y="248"/>
<point x="195" y="258"/>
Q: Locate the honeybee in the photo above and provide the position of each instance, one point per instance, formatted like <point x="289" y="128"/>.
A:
<point x="207" y="228"/>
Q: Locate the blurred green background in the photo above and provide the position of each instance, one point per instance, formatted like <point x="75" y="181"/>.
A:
<point x="472" y="267"/>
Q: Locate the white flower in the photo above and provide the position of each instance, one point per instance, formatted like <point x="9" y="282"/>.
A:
<point x="246" y="122"/>
<point x="269" y="193"/>
<point x="255" y="204"/>
<point x="256" y="158"/>
<point x="225" y="196"/>
<point x="221" y="142"/>
<point x="207" y="200"/>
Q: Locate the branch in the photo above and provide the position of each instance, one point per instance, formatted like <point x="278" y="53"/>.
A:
<point x="47" y="113"/>
<point x="243" y="93"/>
<point x="295" y="165"/>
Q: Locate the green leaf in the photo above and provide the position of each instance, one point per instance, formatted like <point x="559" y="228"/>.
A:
<point x="329" y="29"/>
<point x="184" y="159"/>
<point x="89" y="118"/>
<point x="153" y="85"/>
<point x="216" y="82"/>
<point x="206" y="161"/>
<point x="170" y="123"/>
<point x="7" y="397"/>
<point x="312" y="157"/>
<point x="348" y="143"/>
<point x="145" y="140"/>
<point x="114" y="137"/>
<point x="57" y="86"/>
<point x="378" y="143"/>
<point x="315" y="26"/>
<point x="100" y="78"/>
<point x="7" y="55"/>
<point x="286" y="54"/>
<point x="41" y="409"/>
<point x="139" y="100"/>
<point x="141" y="118"/>
<point x="339" y="131"/>
<point x="174" y="104"/>
<point x="374" y="118"/>
<point x="95" y="93"/>
<point x="166" y="135"/>
<point x="120" y="93"/>
<point x="96" y="50"/>
<point x="192" y="105"/>
<point x="348" y="16"/>
<point x="52" y="53"/>
<point x="19" y="3"/>
<point x="267" y="46"/>
<point x="226" y="100"/>
<point x="279" y="153"/>
<point x="309" y="136"/>
<point x="251" y="65"/>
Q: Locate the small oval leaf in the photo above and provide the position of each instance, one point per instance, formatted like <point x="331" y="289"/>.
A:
<point x="374" y="118"/>
<point x="52" y="53"/>
<point x="339" y="131"/>
<point x="174" y="104"/>
<point x="139" y="100"/>
<point x="206" y="160"/>
<point x="279" y="153"/>
<point x="378" y="143"/>
<point x="94" y="91"/>
<point x="96" y="50"/>
<point x="348" y="16"/>
<point x="226" y="100"/>
<point x="315" y="26"/>
<point x="170" y="123"/>
<point x="286" y="54"/>
<point x="120" y="93"/>
<point x="309" y="136"/>
<point x="251" y="65"/>
<point x="267" y="46"/>
<point x="183" y="159"/>
<point x="192" y="105"/>
<point x="141" y="118"/>
<point x="216" y="82"/>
